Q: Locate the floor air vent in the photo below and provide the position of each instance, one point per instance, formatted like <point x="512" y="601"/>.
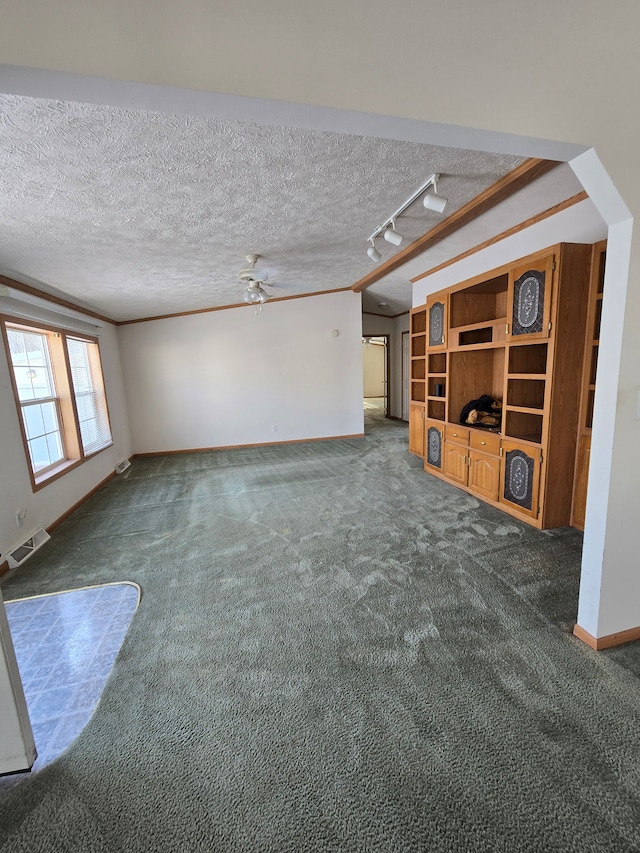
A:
<point x="30" y="546"/>
<point x="122" y="466"/>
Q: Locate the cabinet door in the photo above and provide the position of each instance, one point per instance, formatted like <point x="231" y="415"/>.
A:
<point x="434" y="446"/>
<point x="437" y="320"/>
<point x="455" y="462"/>
<point x="416" y="430"/>
<point x="530" y="299"/>
<point x="520" y="481"/>
<point x="484" y="474"/>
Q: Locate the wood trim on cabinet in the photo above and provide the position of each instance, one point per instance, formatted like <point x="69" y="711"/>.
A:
<point x="539" y="217"/>
<point x="517" y="179"/>
<point x="609" y="641"/>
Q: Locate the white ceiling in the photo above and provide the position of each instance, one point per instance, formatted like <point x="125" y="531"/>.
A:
<point x="136" y="213"/>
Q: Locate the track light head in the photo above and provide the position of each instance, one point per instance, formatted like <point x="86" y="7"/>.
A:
<point x="392" y="236"/>
<point x="373" y="253"/>
<point x="434" y="202"/>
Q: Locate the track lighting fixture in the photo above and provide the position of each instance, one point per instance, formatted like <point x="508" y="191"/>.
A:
<point x="373" y="253"/>
<point x="432" y="201"/>
<point x="392" y="236"/>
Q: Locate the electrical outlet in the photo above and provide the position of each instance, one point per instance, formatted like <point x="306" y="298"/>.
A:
<point x="21" y="514"/>
<point x="274" y="428"/>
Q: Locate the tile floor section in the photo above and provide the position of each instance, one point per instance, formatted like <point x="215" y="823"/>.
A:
<point x="65" y="645"/>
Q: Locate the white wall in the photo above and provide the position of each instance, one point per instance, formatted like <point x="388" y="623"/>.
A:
<point x="225" y="378"/>
<point x="51" y="502"/>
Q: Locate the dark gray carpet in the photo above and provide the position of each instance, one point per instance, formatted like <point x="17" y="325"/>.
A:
<point x="334" y="651"/>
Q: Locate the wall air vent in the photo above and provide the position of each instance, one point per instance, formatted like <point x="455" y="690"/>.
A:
<point x="16" y="557"/>
<point x="122" y="466"/>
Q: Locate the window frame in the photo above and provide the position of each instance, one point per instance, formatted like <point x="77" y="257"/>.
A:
<point x="65" y="396"/>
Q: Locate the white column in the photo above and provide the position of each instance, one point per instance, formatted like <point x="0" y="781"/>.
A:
<point x="610" y="583"/>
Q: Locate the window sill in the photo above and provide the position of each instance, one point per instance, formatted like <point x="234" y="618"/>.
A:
<point x="41" y="480"/>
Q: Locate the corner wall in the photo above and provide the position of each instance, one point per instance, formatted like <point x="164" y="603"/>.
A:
<point x="226" y="378"/>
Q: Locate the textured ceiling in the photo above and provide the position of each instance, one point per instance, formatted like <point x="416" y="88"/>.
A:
<point x="140" y="214"/>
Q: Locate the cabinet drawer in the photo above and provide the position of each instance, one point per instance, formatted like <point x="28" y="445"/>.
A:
<point x="485" y="441"/>
<point x="459" y="435"/>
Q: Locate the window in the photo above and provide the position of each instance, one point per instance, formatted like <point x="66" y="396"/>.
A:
<point x="59" y="390"/>
<point x="91" y="405"/>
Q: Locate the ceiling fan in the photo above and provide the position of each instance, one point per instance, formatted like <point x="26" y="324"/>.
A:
<point x="255" y="292"/>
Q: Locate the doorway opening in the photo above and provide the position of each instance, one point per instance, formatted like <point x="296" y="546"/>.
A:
<point x="375" y="376"/>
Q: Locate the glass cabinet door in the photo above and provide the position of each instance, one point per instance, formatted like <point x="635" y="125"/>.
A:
<point x="434" y="445"/>
<point x="520" y="477"/>
<point x="530" y="299"/>
<point x="437" y="321"/>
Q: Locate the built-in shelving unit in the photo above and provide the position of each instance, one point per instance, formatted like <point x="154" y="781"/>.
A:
<point x="509" y="334"/>
<point x="437" y="385"/>
<point x="418" y="379"/>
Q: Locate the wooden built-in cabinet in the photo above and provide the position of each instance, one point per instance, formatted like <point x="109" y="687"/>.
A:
<point x="417" y="379"/>
<point x="511" y="334"/>
<point x="588" y="389"/>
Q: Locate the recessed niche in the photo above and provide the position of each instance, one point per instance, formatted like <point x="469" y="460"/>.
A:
<point x="527" y="393"/>
<point x="528" y="358"/>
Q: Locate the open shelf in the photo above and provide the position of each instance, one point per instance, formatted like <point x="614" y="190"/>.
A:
<point x="597" y="320"/>
<point x="528" y="359"/>
<point x="417" y="391"/>
<point x="436" y="409"/>
<point x="419" y="322"/>
<point x="481" y="303"/>
<point x="589" y="407"/>
<point x="523" y="425"/>
<point x="525" y="393"/>
<point x="437" y="363"/>
<point x="417" y="368"/>
<point x="478" y="333"/>
<point x="474" y="373"/>
<point x="418" y="345"/>
<point x="594" y="365"/>
<point x="602" y="259"/>
<point x="436" y="386"/>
